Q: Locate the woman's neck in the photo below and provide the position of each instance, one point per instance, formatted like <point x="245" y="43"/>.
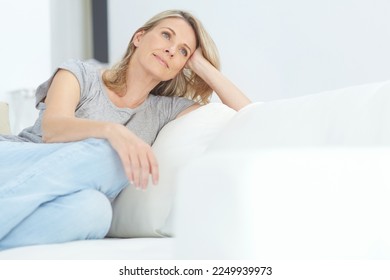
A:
<point x="138" y="86"/>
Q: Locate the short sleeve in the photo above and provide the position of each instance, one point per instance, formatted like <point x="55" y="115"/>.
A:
<point x="173" y="106"/>
<point x="78" y="68"/>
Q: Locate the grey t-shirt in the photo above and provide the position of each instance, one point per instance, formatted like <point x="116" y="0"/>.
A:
<point x="145" y="121"/>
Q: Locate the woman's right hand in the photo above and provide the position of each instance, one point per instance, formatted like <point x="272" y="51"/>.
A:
<point x="137" y="156"/>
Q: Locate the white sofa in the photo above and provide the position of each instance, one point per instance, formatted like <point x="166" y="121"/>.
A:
<point x="300" y="178"/>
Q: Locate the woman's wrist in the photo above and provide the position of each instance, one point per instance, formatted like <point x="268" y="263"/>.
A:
<point x="108" y="130"/>
<point x="199" y="64"/>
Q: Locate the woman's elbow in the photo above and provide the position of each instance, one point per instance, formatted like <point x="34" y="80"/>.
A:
<point x="243" y="103"/>
<point x="47" y="137"/>
<point x="47" y="131"/>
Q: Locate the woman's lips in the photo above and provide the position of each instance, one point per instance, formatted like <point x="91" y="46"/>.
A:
<point x="161" y="61"/>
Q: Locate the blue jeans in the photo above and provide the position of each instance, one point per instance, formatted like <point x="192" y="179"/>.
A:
<point x="52" y="193"/>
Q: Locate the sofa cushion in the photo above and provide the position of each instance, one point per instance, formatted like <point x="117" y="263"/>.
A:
<point x="4" y="119"/>
<point x="357" y="116"/>
<point x="148" y="213"/>
<point x="319" y="203"/>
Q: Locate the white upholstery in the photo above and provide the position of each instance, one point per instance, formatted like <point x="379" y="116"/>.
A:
<point x="322" y="203"/>
<point x="353" y="116"/>
<point x="302" y="178"/>
<point x="112" y="249"/>
<point x="4" y="119"/>
<point x="149" y="213"/>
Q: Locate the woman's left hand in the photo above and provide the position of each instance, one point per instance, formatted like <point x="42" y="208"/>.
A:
<point x="229" y="94"/>
<point x="195" y="60"/>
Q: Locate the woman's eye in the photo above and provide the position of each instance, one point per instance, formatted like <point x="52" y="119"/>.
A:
<point x="166" y="35"/>
<point x="184" y="52"/>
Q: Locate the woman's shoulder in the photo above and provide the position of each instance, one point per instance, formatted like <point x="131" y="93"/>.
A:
<point x="162" y="101"/>
<point x="169" y="106"/>
<point x="81" y="65"/>
<point x="168" y="99"/>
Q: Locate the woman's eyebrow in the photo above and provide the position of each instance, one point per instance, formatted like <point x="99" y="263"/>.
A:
<point x="174" y="33"/>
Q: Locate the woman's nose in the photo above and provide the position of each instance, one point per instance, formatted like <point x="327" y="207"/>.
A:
<point x="170" y="51"/>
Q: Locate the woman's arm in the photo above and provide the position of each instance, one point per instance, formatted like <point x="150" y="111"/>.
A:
<point x="59" y="124"/>
<point x="229" y="94"/>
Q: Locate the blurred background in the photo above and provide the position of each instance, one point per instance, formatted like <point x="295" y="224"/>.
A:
<point x="271" y="49"/>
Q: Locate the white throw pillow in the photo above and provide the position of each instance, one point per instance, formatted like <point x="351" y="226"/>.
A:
<point x="138" y="213"/>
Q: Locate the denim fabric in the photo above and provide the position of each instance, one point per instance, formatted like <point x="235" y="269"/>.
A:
<point x="57" y="192"/>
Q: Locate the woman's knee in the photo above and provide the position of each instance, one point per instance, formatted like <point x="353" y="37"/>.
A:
<point x="95" y="214"/>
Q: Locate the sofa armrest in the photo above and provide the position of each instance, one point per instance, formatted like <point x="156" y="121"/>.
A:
<point x="4" y="119"/>
<point x="304" y="203"/>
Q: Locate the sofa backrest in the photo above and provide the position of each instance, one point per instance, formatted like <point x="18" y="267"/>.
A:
<point x="353" y="116"/>
<point x="4" y="119"/>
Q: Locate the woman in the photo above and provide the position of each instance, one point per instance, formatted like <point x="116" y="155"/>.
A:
<point x="99" y="127"/>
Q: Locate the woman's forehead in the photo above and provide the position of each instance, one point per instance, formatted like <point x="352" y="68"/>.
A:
<point x="174" y="21"/>
<point x="180" y="27"/>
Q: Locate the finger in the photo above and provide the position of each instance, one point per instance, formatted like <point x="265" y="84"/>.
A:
<point x="135" y="169"/>
<point x="144" y="170"/>
<point x="153" y="167"/>
<point x="127" y="166"/>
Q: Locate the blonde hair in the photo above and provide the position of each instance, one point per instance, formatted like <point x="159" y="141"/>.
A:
<point x="186" y="83"/>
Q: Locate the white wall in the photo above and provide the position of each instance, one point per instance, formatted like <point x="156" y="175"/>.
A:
<point x="25" y="43"/>
<point x="36" y="37"/>
<point x="25" y="55"/>
<point x="280" y="48"/>
<point x="71" y="30"/>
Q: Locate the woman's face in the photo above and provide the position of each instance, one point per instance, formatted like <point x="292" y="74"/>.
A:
<point x="164" y="50"/>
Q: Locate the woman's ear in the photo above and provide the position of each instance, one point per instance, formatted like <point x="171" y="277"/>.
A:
<point x="138" y="37"/>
